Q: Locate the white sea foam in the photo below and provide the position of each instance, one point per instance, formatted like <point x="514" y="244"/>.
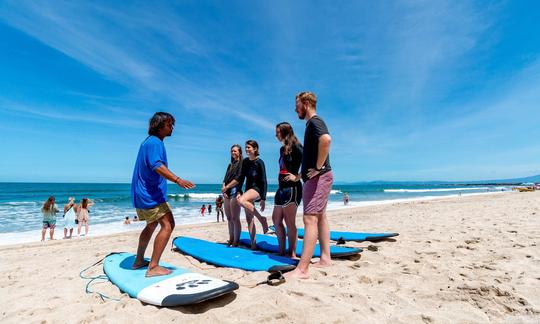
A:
<point x="436" y="190"/>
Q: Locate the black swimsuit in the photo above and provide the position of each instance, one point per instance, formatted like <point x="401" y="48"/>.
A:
<point x="234" y="172"/>
<point x="289" y="191"/>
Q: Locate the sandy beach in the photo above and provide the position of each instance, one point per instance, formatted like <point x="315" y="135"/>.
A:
<point x="457" y="260"/>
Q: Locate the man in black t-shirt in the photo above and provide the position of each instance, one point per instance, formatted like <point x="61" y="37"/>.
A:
<point x="318" y="179"/>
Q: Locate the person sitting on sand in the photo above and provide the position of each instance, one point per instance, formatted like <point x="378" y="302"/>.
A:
<point x="149" y="193"/>
<point x="254" y="173"/>
<point x="69" y="217"/>
<point x="127" y="221"/>
<point x="49" y="211"/>
<point x="83" y="215"/>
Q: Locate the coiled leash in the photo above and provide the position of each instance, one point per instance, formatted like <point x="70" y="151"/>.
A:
<point x="93" y="279"/>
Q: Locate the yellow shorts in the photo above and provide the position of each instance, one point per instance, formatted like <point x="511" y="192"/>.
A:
<point x="153" y="214"/>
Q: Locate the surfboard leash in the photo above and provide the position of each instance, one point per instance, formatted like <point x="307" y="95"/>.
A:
<point x="92" y="279"/>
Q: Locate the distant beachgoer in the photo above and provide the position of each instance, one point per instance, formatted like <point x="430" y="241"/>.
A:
<point x="345" y="198"/>
<point x="149" y="193"/>
<point x="83" y="215"/>
<point x="232" y="189"/>
<point x="49" y="211"/>
<point x="209" y="209"/>
<point x="289" y="193"/>
<point x="135" y="218"/>
<point x="254" y="173"/>
<point x="127" y="221"/>
<point x="219" y="208"/>
<point x="203" y="208"/>
<point x="69" y="217"/>
<point x="318" y="179"/>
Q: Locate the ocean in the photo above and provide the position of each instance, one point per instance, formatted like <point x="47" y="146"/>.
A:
<point x="21" y="219"/>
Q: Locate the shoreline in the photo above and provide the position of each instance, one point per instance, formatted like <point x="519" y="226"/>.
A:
<point x="106" y="229"/>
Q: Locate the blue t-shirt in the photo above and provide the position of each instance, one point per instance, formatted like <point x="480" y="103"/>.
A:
<point x="148" y="188"/>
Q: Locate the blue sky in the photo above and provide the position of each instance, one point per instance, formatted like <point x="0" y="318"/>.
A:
<point x="410" y="90"/>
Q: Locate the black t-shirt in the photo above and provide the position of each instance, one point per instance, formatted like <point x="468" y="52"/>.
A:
<point x="315" y="128"/>
<point x="234" y="172"/>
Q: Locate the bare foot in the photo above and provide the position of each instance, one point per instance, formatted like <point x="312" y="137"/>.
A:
<point x="296" y="274"/>
<point x="321" y="264"/>
<point x="157" y="271"/>
<point x="254" y="246"/>
<point x="140" y="264"/>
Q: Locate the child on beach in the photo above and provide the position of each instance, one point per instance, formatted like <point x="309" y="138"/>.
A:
<point x="209" y="209"/>
<point x="49" y="211"/>
<point x="69" y="217"/>
<point x="203" y="208"/>
<point x="127" y="221"/>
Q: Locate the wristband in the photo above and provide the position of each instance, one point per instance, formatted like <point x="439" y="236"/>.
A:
<point x="320" y="169"/>
<point x="176" y="180"/>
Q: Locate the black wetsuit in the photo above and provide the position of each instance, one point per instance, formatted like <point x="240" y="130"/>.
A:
<point x="234" y="172"/>
<point x="289" y="191"/>
<point x="254" y="174"/>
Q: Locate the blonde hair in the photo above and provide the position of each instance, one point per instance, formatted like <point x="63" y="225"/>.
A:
<point x="307" y="97"/>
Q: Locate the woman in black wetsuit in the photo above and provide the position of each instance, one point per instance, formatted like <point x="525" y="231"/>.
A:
<point x="254" y="173"/>
<point x="289" y="193"/>
<point x="232" y="189"/>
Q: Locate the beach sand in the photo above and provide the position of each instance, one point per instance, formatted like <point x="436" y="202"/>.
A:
<point x="469" y="259"/>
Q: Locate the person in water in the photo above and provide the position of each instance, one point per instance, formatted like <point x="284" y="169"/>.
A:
<point x="289" y="193"/>
<point x="83" y="215"/>
<point x="69" y="217"/>
<point x="231" y="190"/>
<point x="203" y="208"/>
<point x="219" y="208"/>
<point x="49" y="211"/>
<point x="127" y="221"/>
<point x="318" y="178"/>
<point x="149" y="193"/>
<point x="254" y="174"/>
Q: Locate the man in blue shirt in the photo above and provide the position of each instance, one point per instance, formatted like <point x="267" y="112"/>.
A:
<point x="149" y="192"/>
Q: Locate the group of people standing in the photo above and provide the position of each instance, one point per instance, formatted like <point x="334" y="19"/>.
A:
<point x="74" y="215"/>
<point x="244" y="185"/>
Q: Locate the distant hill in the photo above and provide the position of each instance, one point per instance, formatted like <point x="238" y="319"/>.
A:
<point x="535" y="178"/>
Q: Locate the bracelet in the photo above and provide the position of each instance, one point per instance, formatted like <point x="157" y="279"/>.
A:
<point x="176" y="180"/>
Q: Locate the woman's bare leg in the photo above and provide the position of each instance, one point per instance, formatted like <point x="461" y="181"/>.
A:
<point x="277" y="218"/>
<point x="246" y="201"/>
<point x="290" y="220"/>
<point x="237" y="225"/>
<point x="228" y="213"/>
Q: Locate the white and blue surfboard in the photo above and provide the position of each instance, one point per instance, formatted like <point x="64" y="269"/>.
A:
<point x="355" y="236"/>
<point x="180" y="287"/>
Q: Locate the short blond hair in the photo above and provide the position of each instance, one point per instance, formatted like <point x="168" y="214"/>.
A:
<point x="307" y="97"/>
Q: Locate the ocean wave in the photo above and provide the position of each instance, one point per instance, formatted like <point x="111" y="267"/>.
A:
<point x="434" y="190"/>
<point x="20" y="203"/>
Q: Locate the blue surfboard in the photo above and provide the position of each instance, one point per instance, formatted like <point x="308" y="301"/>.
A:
<point x="180" y="287"/>
<point x="232" y="257"/>
<point x="270" y="244"/>
<point x="354" y="236"/>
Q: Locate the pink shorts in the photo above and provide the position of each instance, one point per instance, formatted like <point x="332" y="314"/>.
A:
<point x="316" y="192"/>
